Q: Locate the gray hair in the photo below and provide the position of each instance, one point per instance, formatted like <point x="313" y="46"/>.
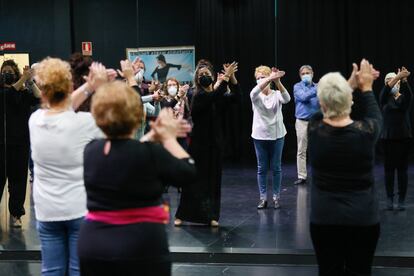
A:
<point x="335" y="95"/>
<point x="306" y="66"/>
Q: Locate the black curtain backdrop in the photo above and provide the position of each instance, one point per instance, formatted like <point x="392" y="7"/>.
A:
<point x="327" y="34"/>
<point x="243" y="31"/>
<point x="331" y="35"/>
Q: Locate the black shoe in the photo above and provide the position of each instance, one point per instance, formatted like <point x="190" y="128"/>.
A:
<point x="300" y="181"/>
<point x="179" y="190"/>
<point x="401" y="206"/>
<point x="262" y="204"/>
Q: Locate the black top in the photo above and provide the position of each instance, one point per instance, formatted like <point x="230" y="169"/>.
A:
<point x="132" y="175"/>
<point x="168" y="103"/>
<point x="342" y="161"/>
<point x="207" y="110"/>
<point x="396" y="112"/>
<point x="15" y="109"/>
<point x="162" y="73"/>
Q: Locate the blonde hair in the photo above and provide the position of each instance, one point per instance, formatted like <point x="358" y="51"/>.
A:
<point x="54" y="79"/>
<point x="335" y="95"/>
<point x="117" y="109"/>
<point x="265" y="70"/>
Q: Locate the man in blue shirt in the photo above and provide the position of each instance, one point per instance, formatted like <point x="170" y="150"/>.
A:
<point x="307" y="104"/>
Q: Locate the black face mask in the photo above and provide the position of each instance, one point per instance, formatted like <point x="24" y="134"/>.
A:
<point x="8" y="78"/>
<point x="205" y="81"/>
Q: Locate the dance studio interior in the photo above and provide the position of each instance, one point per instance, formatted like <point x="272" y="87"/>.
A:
<point x="206" y="137"/>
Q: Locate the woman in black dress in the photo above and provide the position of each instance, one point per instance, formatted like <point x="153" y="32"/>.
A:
<point x="124" y="231"/>
<point x="200" y="202"/>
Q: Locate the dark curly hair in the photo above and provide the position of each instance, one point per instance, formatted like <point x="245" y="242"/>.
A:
<point x="13" y="65"/>
<point x="79" y="65"/>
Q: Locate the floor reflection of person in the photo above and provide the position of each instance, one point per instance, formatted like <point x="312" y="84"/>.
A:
<point x="124" y="231"/>
<point x="344" y="220"/>
<point x="163" y="68"/>
<point x="16" y="103"/>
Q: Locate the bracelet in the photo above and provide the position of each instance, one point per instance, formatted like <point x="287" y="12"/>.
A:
<point x="87" y="93"/>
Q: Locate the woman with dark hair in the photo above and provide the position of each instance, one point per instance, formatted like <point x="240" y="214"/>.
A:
<point x="200" y="202"/>
<point x="79" y="65"/>
<point x="344" y="219"/>
<point x="124" y="231"/>
<point x="16" y="103"/>
<point x="163" y="68"/>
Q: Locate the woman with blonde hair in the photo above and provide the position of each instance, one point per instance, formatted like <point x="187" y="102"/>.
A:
<point x="58" y="136"/>
<point x="268" y="130"/>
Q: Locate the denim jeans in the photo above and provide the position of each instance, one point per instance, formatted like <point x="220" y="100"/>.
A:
<point x="269" y="154"/>
<point x="59" y="247"/>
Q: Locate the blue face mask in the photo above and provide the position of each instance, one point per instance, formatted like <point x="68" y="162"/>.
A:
<point x="307" y="79"/>
<point x="395" y="89"/>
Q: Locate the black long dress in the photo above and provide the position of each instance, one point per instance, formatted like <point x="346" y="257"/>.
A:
<point x="200" y="202"/>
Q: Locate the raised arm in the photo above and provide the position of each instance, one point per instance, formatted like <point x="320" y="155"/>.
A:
<point x="97" y="76"/>
<point x="284" y="93"/>
<point x="27" y="72"/>
<point x="369" y="111"/>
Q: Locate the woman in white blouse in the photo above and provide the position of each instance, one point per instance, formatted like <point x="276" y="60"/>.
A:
<point x="268" y="130"/>
<point x="58" y="137"/>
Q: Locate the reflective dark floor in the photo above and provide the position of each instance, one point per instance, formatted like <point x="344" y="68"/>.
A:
<point x="243" y="227"/>
<point x="33" y="269"/>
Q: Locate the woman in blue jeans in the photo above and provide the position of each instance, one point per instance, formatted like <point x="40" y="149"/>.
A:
<point x="58" y="137"/>
<point x="268" y="130"/>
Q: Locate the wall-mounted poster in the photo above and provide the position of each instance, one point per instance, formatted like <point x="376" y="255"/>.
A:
<point x="162" y="63"/>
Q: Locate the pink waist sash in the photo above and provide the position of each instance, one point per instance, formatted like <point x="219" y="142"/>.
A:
<point x="153" y="214"/>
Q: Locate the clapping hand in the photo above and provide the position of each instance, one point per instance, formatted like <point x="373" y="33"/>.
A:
<point x="166" y="127"/>
<point x="353" y="81"/>
<point x="366" y="76"/>
<point x="97" y="76"/>
<point x="183" y="90"/>
<point x="230" y="69"/>
<point x="403" y="73"/>
<point x="127" y="70"/>
<point x="276" y="74"/>
<point x="112" y="74"/>
<point x="27" y="73"/>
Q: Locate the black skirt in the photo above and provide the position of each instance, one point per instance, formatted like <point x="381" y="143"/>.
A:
<point x="133" y="249"/>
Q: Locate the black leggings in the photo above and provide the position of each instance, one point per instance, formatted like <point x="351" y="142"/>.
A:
<point x="344" y="250"/>
<point x="127" y="250"/>
<point x="396" y="159"/>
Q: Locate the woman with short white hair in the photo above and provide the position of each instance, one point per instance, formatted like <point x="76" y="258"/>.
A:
<point x="344" y="210"/>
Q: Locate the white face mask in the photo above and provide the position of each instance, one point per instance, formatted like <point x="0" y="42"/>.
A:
<point x="172" y="91"/>
<point x="139" y="77"/>
<point x="258" y="81"/>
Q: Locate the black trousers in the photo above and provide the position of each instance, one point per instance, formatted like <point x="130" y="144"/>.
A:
<point x="14" y="161"/>
<point x="344" y="250"/>
<point x="396" y="159"/>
